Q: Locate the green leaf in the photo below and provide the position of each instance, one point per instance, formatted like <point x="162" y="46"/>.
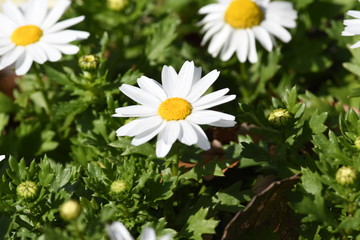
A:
<point x="197" y="225"/>
<point x="6" y="104"/>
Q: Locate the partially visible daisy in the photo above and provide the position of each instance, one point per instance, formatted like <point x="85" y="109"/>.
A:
<point x="2" y="157"/>
<point x="352" y="26"/>
<point x="117" y="231"/>
<point x="175" y="109"/>
<point x="234" y="25"/>
<point x="51" y="3"/>
<point x="34" y="34"/>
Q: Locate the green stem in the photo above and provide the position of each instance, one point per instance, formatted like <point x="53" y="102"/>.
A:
<point x="11" y="224"/>
<point x="42" y="86"/>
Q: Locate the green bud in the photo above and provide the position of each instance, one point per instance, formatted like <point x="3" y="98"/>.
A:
<point x="117" y="5"/>
<point x="89" y="62"/>
<point x="280" y="118"/>
<point x="27" y="190"/>
<point x="346" y="175"/>
<point x="118" y="187"/>
<point x="70" y="210"/>
<point x="357" y="143"/>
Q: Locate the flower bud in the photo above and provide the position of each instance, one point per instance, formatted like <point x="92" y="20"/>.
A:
<point x="357" y="143"/>
<point x="346" y="175"/>
<point x="117" y="5"/>
<point x="27" y="190"/>
<point x="89" y="62"/>
<point x="70" y="210"/>
<point x="280" y="117"/>
<point x="118" y="187"/>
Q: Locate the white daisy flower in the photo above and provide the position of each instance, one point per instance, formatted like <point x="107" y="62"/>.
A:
<point x="175" y="109"/>
<point x="51" y="3"/>
<point x="352" y="26"/>
<point x="2" y="157"/>
<point x="117" y="231"/>
<point x="234" y="25"/>
<point x="35" y="34"/>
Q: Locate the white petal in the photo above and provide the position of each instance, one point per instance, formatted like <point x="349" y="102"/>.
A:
<point x="229" y="48"/>
<point x="277" y="30"/>
<point x="13" y="13"/>
<point x="11" y="56"/>
<point x="219" y="39"/>
<point x="145" y="125"/>
<point x="353" y="13"/>
<point x="147" y="135"/>
<point x="185" y="78"/>
<point x="202" y="85"/>
<point x="55" y="13"/>
<point x="219" y="101"/>
<point x="4" y="49"/>
<point x="140" y="96"/>
<point x="188" y="135"/>
<point x="117" y="231"/>
<point x="252" y="47"/>
<point x="210" y="8"/>
<point x="162" y="149"/>
<point x="135" y="111"/>
<point x="7" y="25"/>
<point x="208" y="98"/>
<point x="36" y="11"/>
<point x="151" y="86"/>
<point x="211" y="32"/>
<point x="203" y="141"/>
<point x="171" y="132"/>
<point x="67" y="49"/>
<point x="169" y="79"/>
<point x="208" y="116"/>
<point x="23" y="64"/>
<point x="223" y="123"/>
<point x="65" y="24"/>
<point x="243" y="45"/>
<point x="2" y="157"/>
<point x="53" y="54"/>
<point x="126" y="129"/>
<point x="197" y="74"/>
<point x="263" y="37"/>
<point x="148" y="234"/>
<point x="37" y="53"/>
<point x="356" y="45"/>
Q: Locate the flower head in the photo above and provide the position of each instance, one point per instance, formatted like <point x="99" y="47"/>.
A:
<point x="352" y="26"/>
<point x="117" y="231"/>
<point x="89" y="62"/>
<point x="27" y="190"/>
<point x="175" y="109"/>
<point x="34" y="34"/>
<point x="280" y="117"/>
<point x="118" y="187"/>
<point x="70" y="210"/>
<point x="345" y="175"/>
<point x="234" y="25"/>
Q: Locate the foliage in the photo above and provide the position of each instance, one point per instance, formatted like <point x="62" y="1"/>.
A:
<point x="57" y="131"/>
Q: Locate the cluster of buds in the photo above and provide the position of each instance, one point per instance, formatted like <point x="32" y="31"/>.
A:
<point x="27" y="190"/>
<point x="280" y="118"/>
<point x="345" y="176"/>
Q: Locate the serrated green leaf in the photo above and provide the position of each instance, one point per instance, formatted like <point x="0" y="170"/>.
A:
<point x="197" y="225"/>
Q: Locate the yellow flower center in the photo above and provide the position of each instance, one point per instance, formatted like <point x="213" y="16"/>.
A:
<point x="174" y="109"/>
<point x="243" y="14"/>
<point x="26" y="35"/>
